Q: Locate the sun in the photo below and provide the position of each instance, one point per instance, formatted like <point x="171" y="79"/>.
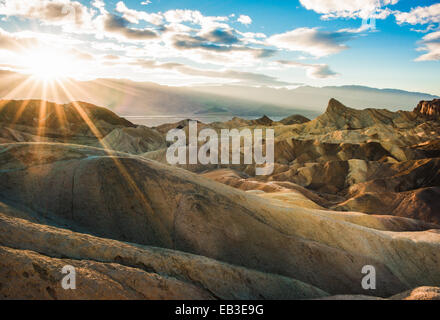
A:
<point x="46" y="64"/>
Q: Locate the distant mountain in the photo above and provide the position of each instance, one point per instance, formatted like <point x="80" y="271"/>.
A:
<point x="315" y="99"/>
<point x="129" y="98"/>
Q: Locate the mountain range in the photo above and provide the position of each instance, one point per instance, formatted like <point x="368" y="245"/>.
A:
<point x="146" y="99"/>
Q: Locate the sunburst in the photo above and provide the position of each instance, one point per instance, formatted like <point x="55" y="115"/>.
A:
<point x="52" y="72"/>
<point x="47" y="64"/>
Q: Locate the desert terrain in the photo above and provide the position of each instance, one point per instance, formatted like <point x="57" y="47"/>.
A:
<point x="82" y="186"/>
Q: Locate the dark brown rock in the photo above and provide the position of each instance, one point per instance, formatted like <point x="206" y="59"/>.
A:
<point x="429" y="109"/>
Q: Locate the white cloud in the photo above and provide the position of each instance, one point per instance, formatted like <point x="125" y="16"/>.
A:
<point x="349" y="8"/>
<point x="312" y="41"/>
<point x="314" y="71"/>
<point x="435" y="36"/>
<point x="254" y="38"/>
<point x="183" y="33"/>
<point x="146" y="2"/>
<point x="431" y="44"/>
<point x="71" y="15"/>
<point x="195" y="17"/>
<point x="135" y="16"/>
<point x="100" y="4"/>
<point x="248" y="78"/>
<point x="118" y="27"/>
<point x="186" y="35"/>
<point x="420" y="15"/>
<point x="243" y="19"/>
<point x="16" y="42"/>
<point x="430" y="27"/>
<point x="25" y="41"/>
<point x="216" y="46"/>
<point x="21" y="49"/>
<point x="429" y="15"/>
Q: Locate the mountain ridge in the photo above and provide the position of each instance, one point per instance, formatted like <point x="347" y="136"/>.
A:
<point x="137" y="99"/>
<point x="358" y="97"/>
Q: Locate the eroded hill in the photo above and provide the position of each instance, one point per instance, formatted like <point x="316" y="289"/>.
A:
<point x="350" y="188"/>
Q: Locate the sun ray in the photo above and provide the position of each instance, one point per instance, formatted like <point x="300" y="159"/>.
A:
<point x="42" y="113"/>
<point x="71" y="83"/>
<point x="81" y="112"/>
<point x="59" y="110"/>
<point x="119" y="165"/>
<point x="24" y="104"/>
<point x="48" y="64"/>
<point x="123" y="88"/>
<point x="11" y="95"/>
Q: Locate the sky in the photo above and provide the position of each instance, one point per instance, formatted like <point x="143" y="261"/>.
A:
<point x="377" y="43"/>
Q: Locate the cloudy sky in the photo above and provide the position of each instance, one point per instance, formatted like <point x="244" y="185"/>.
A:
<point x="378" y="43"/>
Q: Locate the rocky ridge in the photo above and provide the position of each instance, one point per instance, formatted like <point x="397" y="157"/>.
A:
<point x="350" y="188"/>
<point x="429" y="109"/>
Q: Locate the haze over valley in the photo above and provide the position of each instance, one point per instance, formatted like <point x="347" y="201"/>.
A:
<point x="152" y="104"/>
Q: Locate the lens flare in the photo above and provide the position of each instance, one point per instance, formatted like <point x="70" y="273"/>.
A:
<point x="49" y="65"/>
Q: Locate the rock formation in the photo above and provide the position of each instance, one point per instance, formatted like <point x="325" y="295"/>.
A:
<point x="350" y="188"/>
<point x="294" y="119"/>
<point x="134" y="140"/>
<point x="429" y="109"/>
<point x="49" y="119"/>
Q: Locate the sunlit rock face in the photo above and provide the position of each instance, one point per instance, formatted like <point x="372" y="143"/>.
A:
<point x="430" y="109"/>
<point x="134" y="140"/>
<point x="50" y="119"/>
<point x="350" y="188"/>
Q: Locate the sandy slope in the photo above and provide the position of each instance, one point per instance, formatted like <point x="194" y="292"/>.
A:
<point x="132" y="199"/>
<point x="138" y="228"/>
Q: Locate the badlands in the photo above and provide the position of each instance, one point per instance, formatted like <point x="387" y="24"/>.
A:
<point x="81" y="186"/>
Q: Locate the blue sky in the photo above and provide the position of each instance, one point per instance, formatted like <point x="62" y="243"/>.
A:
<point x="186" y="42"/>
